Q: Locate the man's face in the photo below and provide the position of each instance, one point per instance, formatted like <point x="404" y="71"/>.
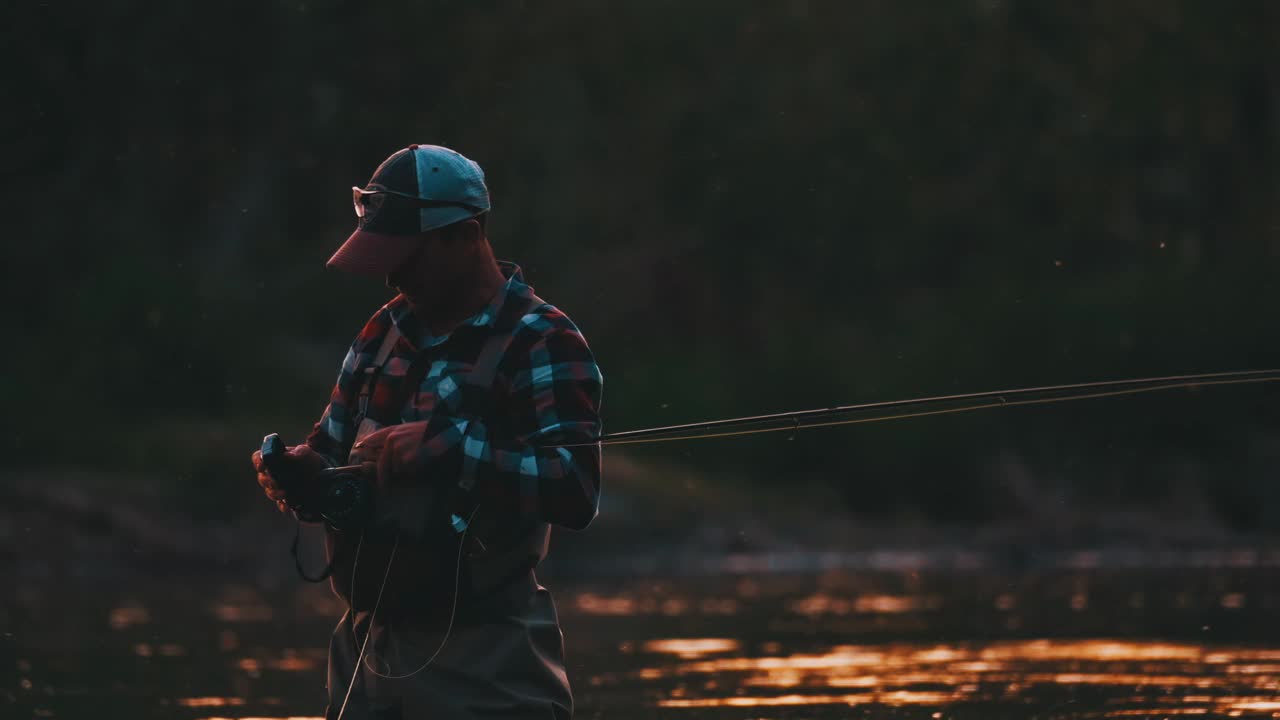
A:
<point x="432" y="273"/>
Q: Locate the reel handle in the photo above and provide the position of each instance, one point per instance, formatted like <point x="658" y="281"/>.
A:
<point x="273" y="452"/>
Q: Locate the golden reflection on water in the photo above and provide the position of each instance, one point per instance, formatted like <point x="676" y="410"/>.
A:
<point x="692" y="647"/>
<point x="289" y="661"/>
<point x="163" y="650"/>
<point x="277" y="718"/>
<point x="1191" y="679"/>
<point x="127" y="616"/>
<point x="234" y="612"/>
<point x="820" y="603"/>
<point x="210" y="701"/>
<point x="241" y="603"/>
<point x="895" y="698"/>
<point x="594" y="604"/>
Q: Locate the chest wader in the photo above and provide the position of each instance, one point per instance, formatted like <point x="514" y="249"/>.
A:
<point x="420" y="577"/>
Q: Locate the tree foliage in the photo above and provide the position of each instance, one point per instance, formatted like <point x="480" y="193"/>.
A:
<point x="747" y="206"/>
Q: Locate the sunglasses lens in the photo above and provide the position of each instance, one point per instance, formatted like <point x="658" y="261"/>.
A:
<point x="357" y="201"/>
<point x="366" y="205"/>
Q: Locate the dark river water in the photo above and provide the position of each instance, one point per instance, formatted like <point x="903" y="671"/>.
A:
<point x="1076" y="640"/>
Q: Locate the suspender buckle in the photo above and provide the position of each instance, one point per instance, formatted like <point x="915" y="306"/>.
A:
<point x="366" y="389"/>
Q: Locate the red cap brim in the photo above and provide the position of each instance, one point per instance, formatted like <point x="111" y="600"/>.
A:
<point x="376" y="254"/>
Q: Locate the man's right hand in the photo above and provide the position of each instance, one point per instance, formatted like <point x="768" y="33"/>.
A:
<point x="310" y="462"/>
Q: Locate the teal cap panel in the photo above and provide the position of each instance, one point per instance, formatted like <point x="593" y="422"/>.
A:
<point x="445" y="174"/>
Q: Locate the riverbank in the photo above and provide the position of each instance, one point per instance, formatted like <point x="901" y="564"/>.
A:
<point x="655" y="518"/>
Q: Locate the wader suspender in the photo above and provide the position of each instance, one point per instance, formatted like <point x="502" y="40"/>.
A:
<point x="371" y="374"/>
<point x="365" y="427"/>
<point x="489" y="568"/>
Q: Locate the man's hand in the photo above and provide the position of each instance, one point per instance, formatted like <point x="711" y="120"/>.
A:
<point x="378" y="451"/>
<point x="369" y="448"/>
<point x="390" y="450"/>
<point x="309" y="461"/>
<point x="402" y="497"/>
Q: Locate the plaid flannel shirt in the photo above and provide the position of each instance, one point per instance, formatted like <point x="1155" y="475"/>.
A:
<point x="546" y="392"/>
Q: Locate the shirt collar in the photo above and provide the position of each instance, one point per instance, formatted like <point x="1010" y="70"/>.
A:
<point x="416" y="332"/>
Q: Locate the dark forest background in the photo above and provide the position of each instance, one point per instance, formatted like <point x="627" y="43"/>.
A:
<point x="747" y="207"/>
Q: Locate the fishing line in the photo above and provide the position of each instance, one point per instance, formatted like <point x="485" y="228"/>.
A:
<point x="693" y="430"/>
<point x="457" y="577"/>
<point x="361" y="659"/>
<point x="356" y="673"/>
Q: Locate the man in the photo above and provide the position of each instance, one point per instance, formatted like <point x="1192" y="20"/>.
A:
<point x="472" y="407"/>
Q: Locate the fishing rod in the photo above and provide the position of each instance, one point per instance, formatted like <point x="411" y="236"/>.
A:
<point x="966" y="402"/>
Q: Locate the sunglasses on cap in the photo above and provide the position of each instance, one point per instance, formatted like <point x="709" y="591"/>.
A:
<point x="368" y="202"/>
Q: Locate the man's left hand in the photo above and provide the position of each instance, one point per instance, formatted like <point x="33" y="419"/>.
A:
<point x="370" y="452"/>
<point x="401" y="496"/>
<point x="391" y="450"/>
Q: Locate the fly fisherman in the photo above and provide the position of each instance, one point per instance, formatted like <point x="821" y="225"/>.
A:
<point x="456" y="401"/>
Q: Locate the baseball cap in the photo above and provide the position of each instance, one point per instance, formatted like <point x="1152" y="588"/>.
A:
<point x="419" y="188"/>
